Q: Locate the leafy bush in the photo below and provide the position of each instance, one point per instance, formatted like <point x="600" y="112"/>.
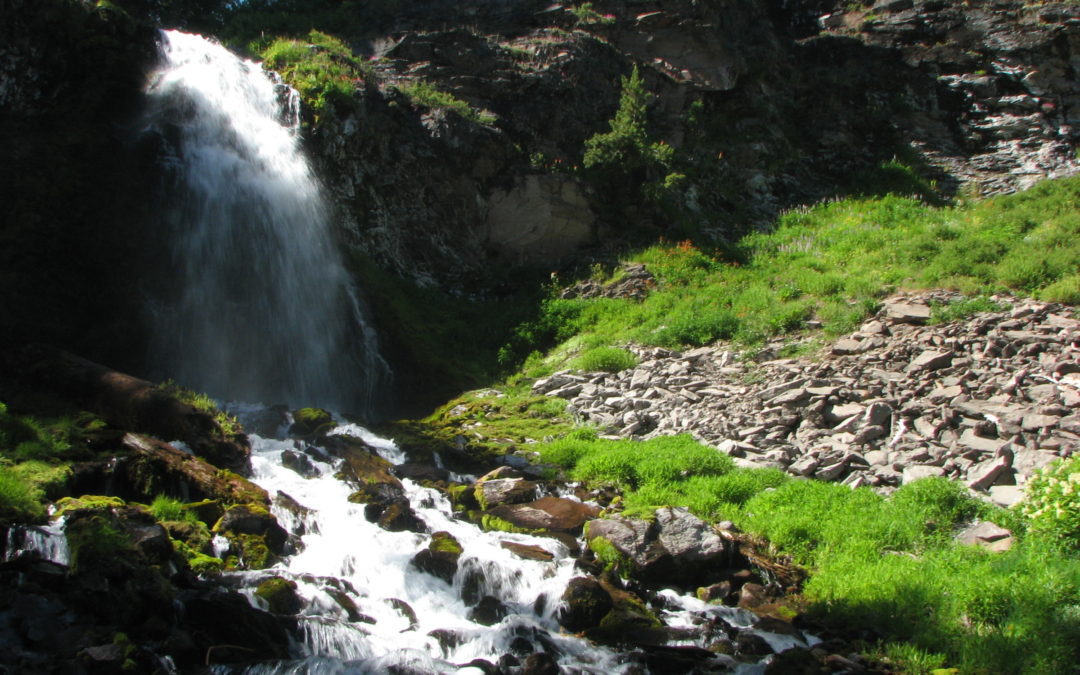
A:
<point x="1052" y="503"/>
<point x="608" y="359"/>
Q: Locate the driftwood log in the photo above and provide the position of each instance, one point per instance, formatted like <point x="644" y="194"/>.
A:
<point x="133" y="404"/>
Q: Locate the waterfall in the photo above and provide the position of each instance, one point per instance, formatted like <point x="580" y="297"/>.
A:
<point x="257" y="304"/>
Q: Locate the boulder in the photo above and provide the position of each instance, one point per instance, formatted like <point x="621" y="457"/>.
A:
<point x="553" y="514"/>
<point x="584" y="604"/>
<point x="677" y="548"/>
<point x="440" y="558"/>
<point x="494" y="492"/>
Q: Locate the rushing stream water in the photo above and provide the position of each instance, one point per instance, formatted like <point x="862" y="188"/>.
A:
<point x="259" y="305"/>
<point x="418" y="623"/>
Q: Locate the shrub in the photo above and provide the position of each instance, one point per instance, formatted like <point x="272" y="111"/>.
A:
<point x="1052" y="503"/>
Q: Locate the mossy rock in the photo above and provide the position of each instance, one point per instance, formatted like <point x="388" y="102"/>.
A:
<point x="280" y="596"/>
<point x="195" y="536"/>
<point x="207" y="511"/>
<point x="462" y="497"/>
<point x="206" y="565"/>
<point x="629" y="621"/>
<point x="611" y="557"/>
<point x="249" y="552"/>
<point x="444" y="542"/>
<point x="585" y="604"/>
<point x="67" y="505"/>
<point x="311" y="422"/>
<point x="492" y="523"/>
<point x="440" y="558"/>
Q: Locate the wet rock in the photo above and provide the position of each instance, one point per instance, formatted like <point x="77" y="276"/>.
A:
<point x="440" y="558"/>
<point x="280" y="596"/>
<point x="555" y="514"/>
<point x="406" y="610"/>
<point x="527" y="551"/>
<point x="300" y="463"/>
<point x="794" y="661"/>
<point x="678" y="659"/>
<point x="311" y="422"/>
<point x="676" y="548"/>
<point x="218" y="619"/>
<point x="540" y="663"/>
<point x="488" y="612"/>
<point x="585" y="604"/>
<point x="421" y="472"/>
<point x="749" y="643"/>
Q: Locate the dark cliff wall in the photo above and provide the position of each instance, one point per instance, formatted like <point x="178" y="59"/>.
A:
<point x="70" y="82"/>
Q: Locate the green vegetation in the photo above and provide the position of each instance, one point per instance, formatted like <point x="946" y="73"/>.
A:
<point x="203" y="403"/>
<point x="625" y="160"/>
<point x="609" y="359"/>
<point x="169" y="509"/>
<point x="321" y="67"/>
<point x="889" y="563"/>
<point x="832" y="263"/>
<point x="1053" y="504"/>
<point x="587" y="16"/>
<point x="425" y="94"/>
<point x="35" y="459"/>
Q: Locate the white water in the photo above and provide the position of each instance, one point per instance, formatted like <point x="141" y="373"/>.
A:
<point x="260" y="306"/>
<point x="342" y="544"/>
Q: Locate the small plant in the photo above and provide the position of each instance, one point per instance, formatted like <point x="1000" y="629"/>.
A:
<point x="169" y="509"/>
<point x="963" y="309"/>
<point x="1052" y="504"/>
<point x="425" y="94"/>
<point x="587" y="16"/>
<point x="607" y="359"/>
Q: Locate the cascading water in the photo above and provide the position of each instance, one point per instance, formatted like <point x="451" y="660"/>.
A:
<point x="259" y="306"/>
<point x="368" y="609"/>
<point x="263" y="310"/>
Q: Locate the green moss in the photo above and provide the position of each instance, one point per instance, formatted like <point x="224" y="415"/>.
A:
<point x="461" y="497"/>
<point x="279" y="594"/>
<point x="94" y="540"/>
<point x="206" y="565"/>
<point x="311" y="422"/>
<point x="228" y="424"/>
<point x="492" y="523"/>
<point x="252" y="553"/>
<point x="444" y="542"/>
<point x="19" y="500"/>
<point x="87" y="502"/>
<point x="612" y="558"/>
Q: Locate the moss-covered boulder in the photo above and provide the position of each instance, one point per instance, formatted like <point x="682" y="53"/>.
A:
<point x="585" y="604"/>
<point x="440" y="558"/>
<point x="255" y="537"/>
<point x="280" y="596"/>
<point x="311" y="422"/>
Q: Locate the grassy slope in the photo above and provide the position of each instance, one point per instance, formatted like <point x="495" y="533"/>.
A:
<point x="883" y="563"/>
<point x="831" y="263"/>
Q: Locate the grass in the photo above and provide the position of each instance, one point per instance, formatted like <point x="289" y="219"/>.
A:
<point x="321" y="67"/>
<point x="881" y="564"/>
<point x="832" y="263"/>
<point x="425" y="94"/>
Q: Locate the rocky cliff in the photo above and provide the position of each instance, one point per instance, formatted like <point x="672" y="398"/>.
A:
<point x="764" y="106"/>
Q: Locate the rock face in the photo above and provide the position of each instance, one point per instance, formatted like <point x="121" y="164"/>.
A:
<point x="986" y="401"/>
